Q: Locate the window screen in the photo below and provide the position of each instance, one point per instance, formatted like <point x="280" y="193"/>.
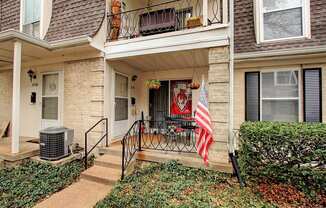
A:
<point x="282" y="19"/>
<point x="252" y="96"/>
<point x="312" y="95"/>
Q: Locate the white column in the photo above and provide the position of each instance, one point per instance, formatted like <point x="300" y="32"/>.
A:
<point x="205" y="12"/>
<point x="16" y="98"/>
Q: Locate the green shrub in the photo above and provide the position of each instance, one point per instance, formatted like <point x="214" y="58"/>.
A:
<point x="291" y="153"/>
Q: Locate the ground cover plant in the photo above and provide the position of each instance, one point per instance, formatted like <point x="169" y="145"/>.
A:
<point x="173" y="185"/>
<point x="30" y="182"/>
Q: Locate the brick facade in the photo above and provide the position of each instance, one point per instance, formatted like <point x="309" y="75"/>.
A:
<point x="5" y="95"/>
<point x="9" y="14"/>
<point x="245" y="40"/>
<point x="218" y="91"/>
<point x="84" y="97"/>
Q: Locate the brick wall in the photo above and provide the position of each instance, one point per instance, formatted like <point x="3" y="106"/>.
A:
<point x="83" y="97"/>
<point x="245" y="40"/>
<point x="5" y="95"/>
<point x="218" y="92"/>
<point x="9" y="14"/>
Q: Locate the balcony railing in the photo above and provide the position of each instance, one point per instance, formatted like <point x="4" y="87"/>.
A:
<point x="165" y="17"/>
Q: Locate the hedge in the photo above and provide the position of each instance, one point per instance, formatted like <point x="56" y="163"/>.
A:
<point x="291" y="153"/>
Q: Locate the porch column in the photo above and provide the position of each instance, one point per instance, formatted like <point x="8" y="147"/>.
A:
<point x="15" y="120"/>
<point x="218" y="92"/>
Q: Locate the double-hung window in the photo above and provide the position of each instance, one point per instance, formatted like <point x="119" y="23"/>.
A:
<point x="282" y="19"/>
<point x="272" y="96"/>
<point x="32" y="17"/>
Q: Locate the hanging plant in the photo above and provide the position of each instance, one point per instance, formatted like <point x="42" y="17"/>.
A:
<point x="153" y="84"/>
<point x="194" y="85"/>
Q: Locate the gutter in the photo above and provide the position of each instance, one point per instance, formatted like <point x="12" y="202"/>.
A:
<point x="231" y="140"/>
<point x="277" y="53"/>
<point x="13" y="34"/>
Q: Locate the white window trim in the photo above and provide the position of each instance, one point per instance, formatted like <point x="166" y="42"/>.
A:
<point x="22" y="17"/>
<point x="299" y="98"/>
<point x="259" y="22"/>
<point x="60" y="95"/>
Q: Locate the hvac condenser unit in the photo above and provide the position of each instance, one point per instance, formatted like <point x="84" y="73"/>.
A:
<point x="55" y="143"/>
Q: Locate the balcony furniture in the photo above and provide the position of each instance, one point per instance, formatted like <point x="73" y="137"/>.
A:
<point x="156" y="22"/>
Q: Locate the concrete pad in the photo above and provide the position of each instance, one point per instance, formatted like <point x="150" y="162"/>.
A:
<point x="26" y="149"/>
<point x="83" y="194"/>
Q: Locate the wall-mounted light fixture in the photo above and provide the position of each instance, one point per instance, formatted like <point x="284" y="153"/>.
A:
<point x="31" y="74"/>
<point x="134" y="78"/>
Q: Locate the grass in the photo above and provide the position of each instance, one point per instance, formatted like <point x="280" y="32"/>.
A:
<point x="30" y="182"/>
<point x="173" y="185"/>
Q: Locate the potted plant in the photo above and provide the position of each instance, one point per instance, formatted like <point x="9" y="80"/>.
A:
<point x="193" y="22"/>
<point x="153" y="84"/>
<point x="194" y="85"/>
<point x="115" y="19"/>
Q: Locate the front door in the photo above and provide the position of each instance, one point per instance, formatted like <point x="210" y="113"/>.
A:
<point x="51" y="99"/>
<point x="159" y="102"/>
<point x="121" y="106"/>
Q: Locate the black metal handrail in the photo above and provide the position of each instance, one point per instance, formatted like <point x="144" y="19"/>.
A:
<point x="106" y="135"/>
<point x="131" y="143"/>
<point x="163" y="17"/>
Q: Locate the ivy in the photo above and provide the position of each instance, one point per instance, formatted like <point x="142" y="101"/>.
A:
<point x="172" y="185"/>
<point x="30" y="182"/>
<point x="292" y="153"/>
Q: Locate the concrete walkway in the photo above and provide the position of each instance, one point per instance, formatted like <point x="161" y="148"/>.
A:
<point x="95" y="183"/>
<point x="83" y="194"/>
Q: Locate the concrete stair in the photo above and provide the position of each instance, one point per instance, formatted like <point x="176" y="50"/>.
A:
<point x="95" y="183"/>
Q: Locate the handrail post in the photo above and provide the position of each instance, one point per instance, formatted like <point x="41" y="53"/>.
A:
<point x="141" y="122"/>
<point x="123" y="159"/>
<point x="106" y="132"/>
<point x="86" y="156"/>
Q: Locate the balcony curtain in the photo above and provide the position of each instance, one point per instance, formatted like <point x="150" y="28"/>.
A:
<point x="32" y="11"/>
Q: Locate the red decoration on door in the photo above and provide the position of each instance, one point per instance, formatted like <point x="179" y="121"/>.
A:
<point x="181" y="98"/>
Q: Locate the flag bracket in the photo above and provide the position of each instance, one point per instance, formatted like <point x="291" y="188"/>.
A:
<point x="236" y="169"/>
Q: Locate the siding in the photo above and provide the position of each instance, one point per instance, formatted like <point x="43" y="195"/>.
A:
<point x="245" y="40"/>
<point x="73" y="18"/>
<point x="9" y="14"/>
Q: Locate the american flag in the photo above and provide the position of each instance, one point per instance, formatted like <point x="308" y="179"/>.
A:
<point x="204" y="134"/>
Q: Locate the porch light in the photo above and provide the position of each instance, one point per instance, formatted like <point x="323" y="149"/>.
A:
<point x="31" y="74"/>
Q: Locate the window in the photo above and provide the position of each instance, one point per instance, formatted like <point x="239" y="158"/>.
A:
<point x="50" y="96"/>
<point x="272" y="96"/>
<point x="121" y="97"/>
<point x="32" y="17"/>
<point x="282" y="19"/>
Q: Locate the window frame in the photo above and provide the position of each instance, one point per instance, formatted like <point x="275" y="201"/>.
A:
<point x="259" y="22"/>
<point x="299" y="98"/>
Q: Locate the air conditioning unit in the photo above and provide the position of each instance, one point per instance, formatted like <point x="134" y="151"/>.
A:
<point x="55" y="143"/>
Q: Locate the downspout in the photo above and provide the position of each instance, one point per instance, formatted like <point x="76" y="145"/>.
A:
<point x="232" y="142"/>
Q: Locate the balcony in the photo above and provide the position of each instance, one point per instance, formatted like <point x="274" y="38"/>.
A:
<point x="133" y="19"/>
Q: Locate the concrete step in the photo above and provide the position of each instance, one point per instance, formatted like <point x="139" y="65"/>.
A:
<point x="109" y="160"/>
<point x="195" y="162"/>
<point x="104" y="175"/>
<point x="112" y="150"/>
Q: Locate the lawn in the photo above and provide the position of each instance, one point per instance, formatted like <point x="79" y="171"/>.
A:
<point x="31" y="182"/>
<point x="173" y="185"/>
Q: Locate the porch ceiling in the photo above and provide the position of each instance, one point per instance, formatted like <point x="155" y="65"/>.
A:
<point x="166" y="61"/>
